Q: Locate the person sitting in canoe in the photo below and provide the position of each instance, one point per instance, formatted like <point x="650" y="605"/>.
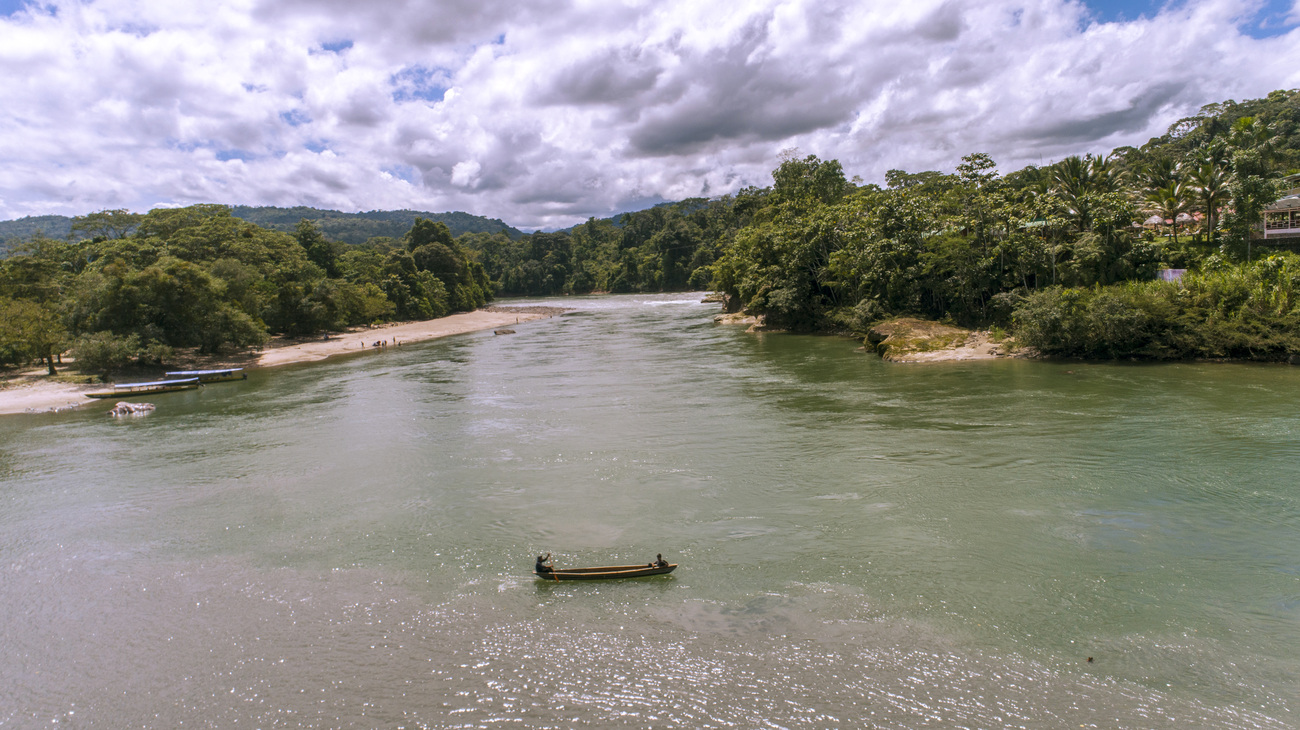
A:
<point x="659" y="562"/>
<point x="543" y="564"/>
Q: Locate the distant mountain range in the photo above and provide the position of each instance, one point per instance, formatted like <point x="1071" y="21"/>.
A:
<point x="335" y="224"/>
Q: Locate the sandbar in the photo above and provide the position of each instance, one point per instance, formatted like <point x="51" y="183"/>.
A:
<point x="33" y="392"/>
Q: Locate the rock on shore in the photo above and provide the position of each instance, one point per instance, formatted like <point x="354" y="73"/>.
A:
<point x="757" y="323"/>
<point x="906" y="339"/>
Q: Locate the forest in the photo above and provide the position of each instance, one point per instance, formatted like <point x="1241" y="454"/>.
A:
<point x="1063" y="256"/>
<point x="1059" y="254"/>
<point x="130" y="289"/>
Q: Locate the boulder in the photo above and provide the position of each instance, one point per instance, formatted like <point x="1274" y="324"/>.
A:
<point x="503" y="332"/>
<point x="130" y="409"/>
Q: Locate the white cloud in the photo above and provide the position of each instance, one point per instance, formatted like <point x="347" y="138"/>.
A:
<point x="544" y="113"/>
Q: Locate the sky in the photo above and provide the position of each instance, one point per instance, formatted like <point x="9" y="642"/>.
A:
<point x="546" y="112"/>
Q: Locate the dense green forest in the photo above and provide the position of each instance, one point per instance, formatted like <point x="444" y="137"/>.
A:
<point x="123" y="288"/>
<point x="1058" y="254"/>
<point x="14" y="232"/>
<point x="336" y="225"/>
<point x="130" y="288"/>
<point x="357" y="228"/>
<point x="665" y="248"/>
<point x="1052" y="252"/>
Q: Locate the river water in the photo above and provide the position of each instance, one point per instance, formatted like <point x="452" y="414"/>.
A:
<point x="862" y="544"/>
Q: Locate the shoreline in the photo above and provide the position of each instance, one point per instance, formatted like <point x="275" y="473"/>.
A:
<point x="41" y="395"/>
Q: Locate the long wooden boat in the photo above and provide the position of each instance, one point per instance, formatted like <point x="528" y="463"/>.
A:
<point x="609" y="572"/>
<point x="211" y="376"/>
<point x="158" y="386"/>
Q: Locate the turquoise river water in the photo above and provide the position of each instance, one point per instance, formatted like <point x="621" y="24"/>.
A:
<point x="862" y="544"/>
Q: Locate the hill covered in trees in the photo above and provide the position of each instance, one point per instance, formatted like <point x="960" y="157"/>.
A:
<point x="357" y="228"/>
<point x="354" y="228"/>
<point x="33" y="226"/>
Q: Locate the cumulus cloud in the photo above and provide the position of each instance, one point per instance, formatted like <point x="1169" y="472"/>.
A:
<point x="544" y="113"/>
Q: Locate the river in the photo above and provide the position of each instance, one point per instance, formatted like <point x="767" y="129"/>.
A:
<point x="349" y="544"/>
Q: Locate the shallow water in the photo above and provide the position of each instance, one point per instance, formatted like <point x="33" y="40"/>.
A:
<point x="862" y="544"/>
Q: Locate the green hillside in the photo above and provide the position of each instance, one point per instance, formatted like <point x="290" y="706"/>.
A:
<point x="357" y="228"/>
<point x="22" y="229"/>
<point x="336" y="225"/>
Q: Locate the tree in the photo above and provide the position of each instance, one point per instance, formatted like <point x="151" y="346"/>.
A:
<point x="1251" y="133"/>
<point x="810" y="179"/>
<point x="1251" y="190"/>
<point x="110" y="224"/>
<point x="104" y="352"/>
<point x="320" y="250"/>
<point x="1168" y="202"/>
<point x="29" y="330"/>
<point x="1208" y="180"/>
<point x="174" y="302"/>
<point x="977" y="169"/>
<point x="425" y="232"/>
<point x="1077" y="179"/>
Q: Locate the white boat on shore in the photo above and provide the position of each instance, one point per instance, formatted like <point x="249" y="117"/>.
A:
<point x="210" y="376"/>
<point x="157" y="386"/>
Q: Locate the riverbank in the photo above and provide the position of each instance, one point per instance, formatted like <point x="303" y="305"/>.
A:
<point x="32" y="391"/>
<point x="907" y="339"/>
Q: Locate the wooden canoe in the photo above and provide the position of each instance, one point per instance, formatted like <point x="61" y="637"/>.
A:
<point x="210" y="376"/>
<point x="157" y="386"/>
<point x="609" y="572"/>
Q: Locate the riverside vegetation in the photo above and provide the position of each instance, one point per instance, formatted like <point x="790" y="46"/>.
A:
<point x="1050" y="253"/>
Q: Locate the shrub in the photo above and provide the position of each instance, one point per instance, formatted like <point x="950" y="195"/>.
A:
<point x="866" y="313"/>
<point x="1247" y="311"/>
<point x="104" y="352"/>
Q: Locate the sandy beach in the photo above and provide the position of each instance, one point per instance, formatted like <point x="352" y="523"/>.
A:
<point x="34" y="392"/>
<point x="404" y="333"/>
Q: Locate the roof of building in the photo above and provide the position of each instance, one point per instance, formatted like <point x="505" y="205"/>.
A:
<point x="1290" y="202"/>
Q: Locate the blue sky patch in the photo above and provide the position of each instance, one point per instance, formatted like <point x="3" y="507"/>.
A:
<point x="418" y="82"/>
<point x="1269" y="21"/>
<point x="227" y="155"/>
<point x="317" y="145"/>
<point x="337" y="46"/>
<point x="404" y="172"/>
<point x="1111" y="11"/>
<point x="295" y="117"/>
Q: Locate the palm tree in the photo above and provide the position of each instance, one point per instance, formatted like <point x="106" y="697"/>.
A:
<point x="1158" y="173"/>
<point x="1075" y="179"/>
<point x="1252" y="133"/>
<point x="1208" y="181"/>
<point x="1167" y="202"/>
